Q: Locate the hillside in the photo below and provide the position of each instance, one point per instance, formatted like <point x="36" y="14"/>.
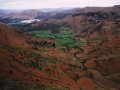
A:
<point x="79" y="52"/>
<point x="55" y="13"/>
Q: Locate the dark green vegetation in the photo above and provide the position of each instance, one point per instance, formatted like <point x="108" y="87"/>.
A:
<point x="10" y="21"/>
<point x="43" y="25"/>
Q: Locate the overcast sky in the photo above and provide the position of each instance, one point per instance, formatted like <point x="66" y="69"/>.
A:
<point x="37" y="4"/>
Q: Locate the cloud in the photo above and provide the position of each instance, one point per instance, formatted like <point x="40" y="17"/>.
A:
<point x="31" y="4"/>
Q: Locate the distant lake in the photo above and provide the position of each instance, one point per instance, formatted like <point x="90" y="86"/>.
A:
<point x="30" y="21"/>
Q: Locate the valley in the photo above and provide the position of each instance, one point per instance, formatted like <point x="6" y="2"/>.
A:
<point x="76" y="49"/>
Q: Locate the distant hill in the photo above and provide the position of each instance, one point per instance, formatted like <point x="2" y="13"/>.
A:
<point x="54" y="13"/>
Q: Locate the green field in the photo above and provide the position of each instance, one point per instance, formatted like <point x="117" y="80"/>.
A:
<point x="63" y="38"/>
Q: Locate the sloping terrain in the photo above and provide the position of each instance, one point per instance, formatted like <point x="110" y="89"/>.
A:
<point x="29" y="63"/>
